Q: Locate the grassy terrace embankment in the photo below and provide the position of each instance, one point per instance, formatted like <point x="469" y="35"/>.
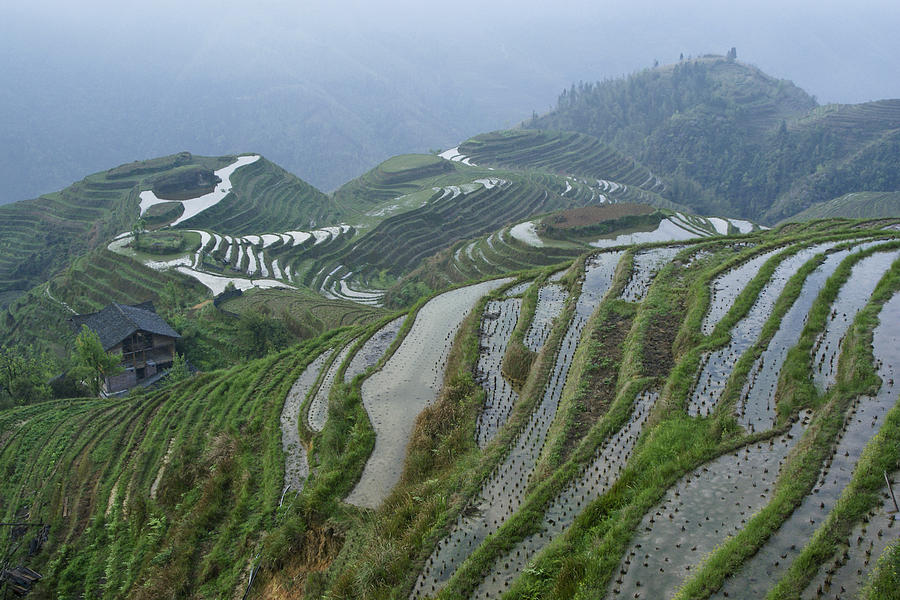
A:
<point x="165" y="494"/>
<point x="264" y="197"/>
<point x="560" y="152"/>
<point x="176" y="493"/>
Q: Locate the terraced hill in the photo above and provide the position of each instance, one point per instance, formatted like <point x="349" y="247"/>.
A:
<point x="570" y="427"/>
<point x="391" y="179"/>
<point x="265" y="197"/>
<point x="855" y="205"/>
<point x="564" y="153"/>
<point x="39" y="237"/>
<point x="729" y="139"/>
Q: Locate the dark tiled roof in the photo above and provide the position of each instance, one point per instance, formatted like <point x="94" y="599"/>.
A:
<point x="118" y="321"/>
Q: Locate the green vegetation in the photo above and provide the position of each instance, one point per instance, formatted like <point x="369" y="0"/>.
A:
<point x="92" y="363"/>
<point x="163" y="242"/>
<point x="23" y="376"/>
<point x="178" y="491"/>
<point x="729" y="139"/>
<point x="559" y="152"/>
<point x="264" y="197"/>
<point x="397" y="176"/>
<point x="855" y="205"/>
<point x="886" y="578"/>
<point x="182" y="485"/>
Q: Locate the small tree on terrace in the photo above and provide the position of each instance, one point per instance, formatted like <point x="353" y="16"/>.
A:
<point x="92" y="363"/>
<point x="140" y="225"/>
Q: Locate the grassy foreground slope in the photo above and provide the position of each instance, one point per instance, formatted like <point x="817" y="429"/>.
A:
<point x="167" y="495"/>
<point x="176" y="493"/>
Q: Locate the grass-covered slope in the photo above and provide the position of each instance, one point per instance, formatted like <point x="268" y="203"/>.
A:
<point x="40" y="237"/>
<point x="165" y="495"/>
<point x="176" y="493"/>
<point x="855" y="205"/>
<point x="394" y="177"/>
<point x="560" y="152"/>
<point x="265" y="197"/>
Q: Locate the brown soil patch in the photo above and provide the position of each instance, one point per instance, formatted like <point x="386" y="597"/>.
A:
<point x="316" y="551"/>
<point x="657" y="356"/>
<point x="602" y="374"/>
<point x="591" y="215"/>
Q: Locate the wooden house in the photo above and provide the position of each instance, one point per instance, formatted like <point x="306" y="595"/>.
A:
<point x="141" y="337"/>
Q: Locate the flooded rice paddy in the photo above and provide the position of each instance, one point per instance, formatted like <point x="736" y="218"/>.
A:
<point x="497" y="324"/>
<point x="595" y="479"/>
<point x="756" y="408"/>
<point x="728" y="286"/>
<point x="408" y="382"/>
<point x="718" y="365"/>
<point x="550" y="303"/>
<point x="697" y="514"/>
<point x="854" y="294"/>
<point x="317" y="413"/>
<point x="843" y="577"/>
<point x="296" y="466"/>
<point x="373" y="349"/>
<point x="646" y="265"/>
<point x="502" y="493"/>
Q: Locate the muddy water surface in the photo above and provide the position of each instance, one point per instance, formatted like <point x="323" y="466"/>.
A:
<point x="646" y="265"/>
<point x="408" y="382"/>
<point x="727" y="286"/>
<point x="497" y="324"/>
<point x="697" y="514"/>
<point x="600" y="474"/>
<point x="550" y="303"/>
<point x="854" y="294"/>
<point x="719" y="364"/>
<point x="296" y="467"/>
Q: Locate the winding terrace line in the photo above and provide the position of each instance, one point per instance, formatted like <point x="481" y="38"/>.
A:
<point x="597" y="477"/>
<point x="697" y="514"/>
<point x="407" y="383"/>
<point x="756" y="408"/>
<point x="296" y="466"/>
<point x="718" y="365"/>
<point x="853" y="296"/>
<point x="497" y="324"/>
<point x="502" y="493"/>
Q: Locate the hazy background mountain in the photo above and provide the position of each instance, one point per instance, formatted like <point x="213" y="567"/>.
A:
<point x="329" y="91"/>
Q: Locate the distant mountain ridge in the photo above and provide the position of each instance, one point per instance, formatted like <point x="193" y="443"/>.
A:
<point x="735" y="140"/>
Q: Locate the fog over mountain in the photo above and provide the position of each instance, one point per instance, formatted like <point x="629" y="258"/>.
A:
<point x="328" y="90"/>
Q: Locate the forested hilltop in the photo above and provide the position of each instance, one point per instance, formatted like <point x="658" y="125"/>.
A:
<point x="735" y="140"/>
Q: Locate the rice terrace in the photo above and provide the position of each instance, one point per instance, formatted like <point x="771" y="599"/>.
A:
<point x="551" y="362"/>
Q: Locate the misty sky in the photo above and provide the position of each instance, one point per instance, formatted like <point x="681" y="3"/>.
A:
<point x="329" y="89"/>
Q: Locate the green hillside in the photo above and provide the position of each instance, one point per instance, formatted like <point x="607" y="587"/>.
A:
<point x="564" y="153"/>
<point x="855" y="205"/>
<point x="731" y="140"/>
<point x="635" y="397"/>
<point x="264" y="198"/>
<point x="561" y="361"/>
<point x="39" y="237"/>
<point x="397" y="176"/>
